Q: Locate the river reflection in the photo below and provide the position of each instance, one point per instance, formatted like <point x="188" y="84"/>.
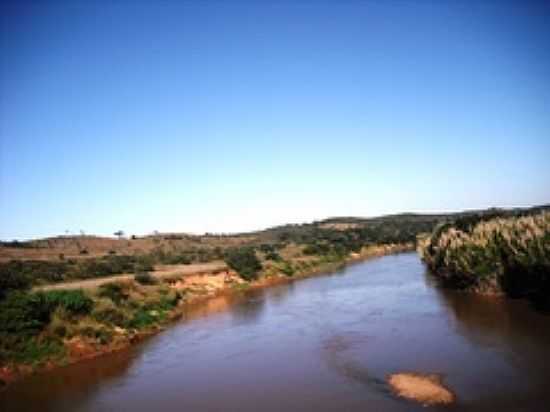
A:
<point x="514" y="331"/>
<point x="323" y="344"/>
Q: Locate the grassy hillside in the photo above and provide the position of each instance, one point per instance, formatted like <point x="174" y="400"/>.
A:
<point x="495" y="252"/>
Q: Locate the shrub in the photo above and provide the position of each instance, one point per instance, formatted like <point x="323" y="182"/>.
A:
<point x="143" y="264"/>
<point x="141" y="319"/>
<point x="103" y="335"/>
<point x="23" y="316"/>
<point x="153" y="312"/>
<point x="273" y="255"/>
<point x="24" y="313"/>
<point x="74" y="302"/>
<point x="165" y="303"/>
<point x="145" y="278"/>
<point x="20" y="274"/>
<point x="266" y="248"/>
<point x="11" y="278"/>
<point x="244" y="261"/>
<point x="109" y="314"/>
<point x="287" y="268"/>
<point x="113" y="291"/>
<point x="60" y="331"/>
<point x="177" y="259"/>
<point x="317" y="249"/>
<point x="30" y="350"/>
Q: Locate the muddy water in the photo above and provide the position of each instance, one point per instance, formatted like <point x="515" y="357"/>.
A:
<point x="321" y="344"/>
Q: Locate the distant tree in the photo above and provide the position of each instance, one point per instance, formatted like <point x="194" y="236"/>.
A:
<point x="119" y="234"/>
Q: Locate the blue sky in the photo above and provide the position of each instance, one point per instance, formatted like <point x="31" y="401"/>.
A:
<point x="231" y="116"/>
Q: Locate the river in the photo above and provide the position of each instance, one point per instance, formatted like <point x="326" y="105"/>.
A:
<point x="321" y="344"/>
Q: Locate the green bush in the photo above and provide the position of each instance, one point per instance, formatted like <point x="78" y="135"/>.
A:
<point x="273" y="255"/>
<point x="176" y="259"/>
<point x="12" y="279"/>
<point x="60" y="331"/>
<point x="23" y="273"/>
<point x="317" y="249"/>
<point x="23" y="316"/>
<point x="141" y="319"/>
<point x="20" y="274"/>
<point x="111" y="316"/>
<point x="287" y="268"/>
<point x="165" y="303"/>
<point x="153" y="312"/>
<point x="244" y="261"/>
<point x="74" y="302"/>
<point x="114" y="291"/>
<point x="24" y="313"/>
<point x="29" y="350"/>
<point x="267" y="247"/>
<point x="103" y="335"/>
<point x="145" y="278"/>
<point x="144" y="264"/>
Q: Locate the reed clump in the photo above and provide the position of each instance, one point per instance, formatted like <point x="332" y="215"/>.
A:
<point x="502" y="255"/>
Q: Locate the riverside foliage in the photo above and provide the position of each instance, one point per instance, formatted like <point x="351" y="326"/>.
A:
<point x="498" y="254"/>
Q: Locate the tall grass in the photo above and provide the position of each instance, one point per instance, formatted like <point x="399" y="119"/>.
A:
<point x="510" y="255"/>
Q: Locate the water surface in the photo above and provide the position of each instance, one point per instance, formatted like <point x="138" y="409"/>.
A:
<point x="320" y="344"/>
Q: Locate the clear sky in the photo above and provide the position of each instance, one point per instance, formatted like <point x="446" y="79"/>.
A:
<point x="229" y="116"/>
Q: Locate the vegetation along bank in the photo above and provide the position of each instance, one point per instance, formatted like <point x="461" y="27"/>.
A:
<point x="45" y="322"/>
<point x="493" y="254"/>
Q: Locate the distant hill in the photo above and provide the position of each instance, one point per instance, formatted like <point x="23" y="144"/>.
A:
<point x="396" y="228"/>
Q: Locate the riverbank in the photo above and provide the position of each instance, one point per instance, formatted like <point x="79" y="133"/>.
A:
<point x="150" y="308"/>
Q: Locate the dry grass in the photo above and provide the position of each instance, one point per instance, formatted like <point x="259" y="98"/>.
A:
<point x="512" y="254"/>
<point x="95" y="246"/>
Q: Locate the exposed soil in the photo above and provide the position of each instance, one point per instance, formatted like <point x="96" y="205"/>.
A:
<point x="426" y="389"/>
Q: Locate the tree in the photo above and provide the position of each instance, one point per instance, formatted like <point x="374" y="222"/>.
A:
<point x="119" y="234"/>
<point x="244" y="261"/>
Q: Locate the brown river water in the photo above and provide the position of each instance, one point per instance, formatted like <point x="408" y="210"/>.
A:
<point x="321" y="344"/>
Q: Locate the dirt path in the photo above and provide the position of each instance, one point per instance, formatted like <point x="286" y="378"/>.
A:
<point x="162" y="271"/>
